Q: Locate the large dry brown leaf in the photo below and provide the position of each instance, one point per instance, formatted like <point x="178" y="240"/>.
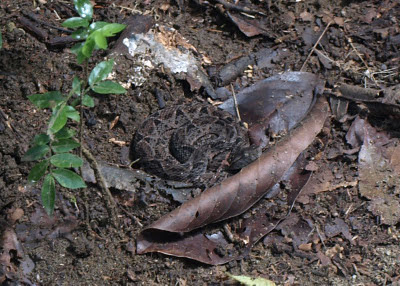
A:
<point x="276" y="104"/>
<point x="234" y="195"/>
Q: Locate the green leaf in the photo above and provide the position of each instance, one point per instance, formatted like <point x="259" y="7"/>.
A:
<point x="75" y="22"/>
<point x="84" y="8"/>
<point x="76" y="86"/>
<point x="36" y="153"/>
<point x="64" y="145"/>
<point x="88" y="101"/>
<point x="41" y="139"/>
<point x="38" y="171"/>
<point x="80" y="57"/>
<point x="76" y="48"/>
<point x="66" y="160"/>
<point x="75" y="102"/>
<point x="88" y="46"/>
<point x="58" y="119"/>
<point x="107" y="87"/>
<point x="110" y="30"/>
<point x="68" y="179"/>
<point x="100" y="40"/>
<point x="80" y="34"/>
<point x="46" y="100"/>
<point x="49" y="194"/>
<point x="100" y="72"/>
<point x="64" y="133"/>
<point x="72" y="113"/>
<point x="97" y="26"/>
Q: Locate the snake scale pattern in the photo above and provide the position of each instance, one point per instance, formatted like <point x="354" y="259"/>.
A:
<point x="184" y="142"/>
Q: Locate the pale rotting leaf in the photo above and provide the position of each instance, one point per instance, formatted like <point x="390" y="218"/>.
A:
<point x="236" y="194"/>
<point x="250" y="281"/>
<point x="11" y="255"/>
<point x="387" y="208"/>
<point x="376" y="165"/>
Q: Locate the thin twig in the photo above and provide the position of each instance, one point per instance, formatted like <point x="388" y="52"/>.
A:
<point x="314" y="47"/>
<point x="235" y="103"/>
<point x="370" y="74"/>
<point x="85" y="196"/>
<point x="111" y="205"/>
<point x="36" y="19"/>
<point x="320" y="236"/>
<point x="132" y="216"/>
<point x="234" y="7"/>
<point x="9" y="123"/>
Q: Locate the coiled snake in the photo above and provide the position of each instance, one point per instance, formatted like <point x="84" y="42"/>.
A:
<point x="184" y="142"/>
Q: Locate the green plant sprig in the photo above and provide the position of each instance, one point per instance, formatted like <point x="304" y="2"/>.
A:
<point x="53" y="148"/>
<point x="95" y="34"/>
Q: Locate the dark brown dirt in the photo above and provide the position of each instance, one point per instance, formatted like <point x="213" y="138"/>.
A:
<point x="65" y="252"/>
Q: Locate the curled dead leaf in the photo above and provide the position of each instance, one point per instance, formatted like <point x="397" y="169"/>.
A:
<point x="232" y="197"/>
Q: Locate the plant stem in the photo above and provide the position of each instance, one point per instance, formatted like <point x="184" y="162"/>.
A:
<point x="83" y="92"/>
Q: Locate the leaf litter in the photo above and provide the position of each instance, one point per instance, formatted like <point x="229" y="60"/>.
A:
<point x="276" y="111"/>
<point x="373" y="257"/>
<point x="232" y="197"/>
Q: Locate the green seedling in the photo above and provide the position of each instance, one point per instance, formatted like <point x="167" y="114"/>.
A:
<point x="54" y="148"/>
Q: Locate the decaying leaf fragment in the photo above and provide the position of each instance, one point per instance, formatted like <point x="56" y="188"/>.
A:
<point x="377" y="163"/>
<point x="232" y="197"/>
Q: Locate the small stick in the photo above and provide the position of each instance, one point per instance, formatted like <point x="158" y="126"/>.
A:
<point x="34" y="18"/>
<point x="132" y="217"/>
<point x="362" y="60"/>
<point x="320" y="236"/>
<point x="235" y="103"/>
<point x="9" y="123"/>
<point x="231" y="6"/>
<point x="315" y="46"/>
<point x="111" y="205"/>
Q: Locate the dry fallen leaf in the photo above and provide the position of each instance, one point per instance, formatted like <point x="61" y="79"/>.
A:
<point x="230" y="198"/>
